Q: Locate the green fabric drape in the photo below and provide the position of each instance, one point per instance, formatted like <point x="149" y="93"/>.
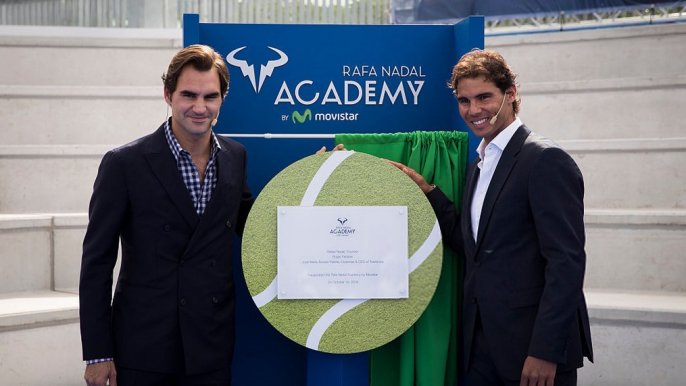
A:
<point x="427" y="354"/>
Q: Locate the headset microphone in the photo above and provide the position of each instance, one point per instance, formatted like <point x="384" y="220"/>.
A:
<point x="214" y="122"/>
<point x="495" y="117"/>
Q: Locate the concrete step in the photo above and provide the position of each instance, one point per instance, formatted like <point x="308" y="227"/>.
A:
<point x="79" y="114"/>
<point x="619" y="174"/>
<point x="626" y="250"/>
<point x="25" y="256"/>
<point x="613" y="54"/>
<point x="72" y="57"/>
<point x="638" y="250"/>
<point x="630" y="330"/>
<point x="600" y="83"/>
<point x="30" y="308"/>
<point x="93" y="114"/>
<point x="81" y="85"/>
<point x="39" y="339"/>
<point x="637" y="338"/>
<point x="632" y="173"/>
<point x="41" y="252"/>
<point x="629" y="327"/>
<point x="60" y="178"/>
<point x="599" y="109"/>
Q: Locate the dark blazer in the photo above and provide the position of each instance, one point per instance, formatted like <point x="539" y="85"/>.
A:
<point x="173" y="307"/>
<point x="524" y="274"/>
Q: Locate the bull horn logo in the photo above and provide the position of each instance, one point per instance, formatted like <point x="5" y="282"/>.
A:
<point x="249" y="69"/>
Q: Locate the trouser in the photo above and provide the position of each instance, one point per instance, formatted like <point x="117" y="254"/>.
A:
<point x="483" y="372"/>
<point x="131" y="377"/>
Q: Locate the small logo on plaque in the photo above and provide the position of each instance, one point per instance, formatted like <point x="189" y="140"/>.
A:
<point x="342" y="230"/>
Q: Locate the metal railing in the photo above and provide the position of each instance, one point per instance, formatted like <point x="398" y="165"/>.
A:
<point x="405" y="11"/>
<point x="169" y="13"/>
<point x="564" y="21"/>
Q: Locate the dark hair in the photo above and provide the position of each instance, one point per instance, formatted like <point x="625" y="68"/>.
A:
<point x="491" y="66"/>
<point x="201" y="58"/>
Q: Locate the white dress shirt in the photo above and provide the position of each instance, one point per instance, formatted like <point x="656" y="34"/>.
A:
<point x="490" y="156"/>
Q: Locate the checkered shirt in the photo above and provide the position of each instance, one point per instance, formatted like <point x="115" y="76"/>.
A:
<point x="200" y="194"/>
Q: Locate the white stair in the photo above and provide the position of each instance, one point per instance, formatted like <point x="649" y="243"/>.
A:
<point x="637" y="338"/>
<point x="39" y="342"/>
<point x="612" y="97"/>
<point x="66" y="97"/>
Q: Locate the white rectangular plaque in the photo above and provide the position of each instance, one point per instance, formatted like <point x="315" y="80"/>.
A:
<point x="342" y="252"/>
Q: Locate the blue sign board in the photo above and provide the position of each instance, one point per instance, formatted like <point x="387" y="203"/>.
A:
<point x="335" y="78"/>
<point x="323" y="80"/>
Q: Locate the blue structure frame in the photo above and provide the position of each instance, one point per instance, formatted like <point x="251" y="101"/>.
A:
<point x="263" y="356"/>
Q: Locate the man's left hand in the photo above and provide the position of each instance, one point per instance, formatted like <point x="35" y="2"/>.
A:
<point x="416" y="177"/>
<point x="337" y="148"/>
<point x="538" y="372"/>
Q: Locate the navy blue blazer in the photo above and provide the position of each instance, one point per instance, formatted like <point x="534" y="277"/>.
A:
<point x="524" y="273"/>
<point x="173" y="307"/>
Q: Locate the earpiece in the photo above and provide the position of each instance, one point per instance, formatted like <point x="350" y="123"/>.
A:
<point x="495" y="117"/>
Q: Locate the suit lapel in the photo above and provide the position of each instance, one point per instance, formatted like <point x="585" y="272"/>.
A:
<point x="472" y="178"/>
<point x="163" y="166"/>
<point x="500" y="176"/>
<point x="224" y="178"/>
<point x="218" y="199"/>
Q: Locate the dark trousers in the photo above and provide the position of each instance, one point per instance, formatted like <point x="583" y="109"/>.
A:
<point x="483" y="372"/>
<point x="131" y="377"/>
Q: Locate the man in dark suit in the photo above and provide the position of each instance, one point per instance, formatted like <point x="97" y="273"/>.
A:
<point x="522" y="233"/>
<point x="173" y="199"/>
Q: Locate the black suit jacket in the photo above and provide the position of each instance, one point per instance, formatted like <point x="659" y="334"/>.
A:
<point x="173" y="306"/>
<point x="524" y="273"/>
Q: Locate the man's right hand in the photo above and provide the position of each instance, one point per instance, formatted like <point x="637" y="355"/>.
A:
<point x="98" y="374"/>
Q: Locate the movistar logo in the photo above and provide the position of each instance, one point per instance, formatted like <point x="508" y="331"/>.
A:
<point x="248" y="70"/>
<point x="307" y="116"/>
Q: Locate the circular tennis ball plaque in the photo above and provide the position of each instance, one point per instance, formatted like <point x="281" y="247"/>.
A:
<point x="342" y="178"/>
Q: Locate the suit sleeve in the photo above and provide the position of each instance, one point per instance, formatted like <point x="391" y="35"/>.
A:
<point x="106" y="214"/>
<point x="246" y="199"/>
<point x="556" y="195"/>
<point x="448" y="218"/>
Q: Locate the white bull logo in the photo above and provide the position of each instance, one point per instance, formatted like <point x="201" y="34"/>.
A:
<point x="249" y="69"/>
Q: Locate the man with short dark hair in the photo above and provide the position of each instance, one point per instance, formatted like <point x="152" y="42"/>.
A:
<point x="521" y="232"/>
<point x="173" y="199"/>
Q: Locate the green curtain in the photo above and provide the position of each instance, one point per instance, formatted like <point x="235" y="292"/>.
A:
<point x="427" y="354"/>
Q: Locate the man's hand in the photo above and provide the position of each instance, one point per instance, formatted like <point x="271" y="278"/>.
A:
<point x="338" y="147"/>
<point x="97" y="374"/>
<point x="416" y="177"/>
<point x="538" y="372"/>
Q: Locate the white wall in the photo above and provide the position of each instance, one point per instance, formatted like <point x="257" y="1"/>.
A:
<point x="612" y="97"/>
